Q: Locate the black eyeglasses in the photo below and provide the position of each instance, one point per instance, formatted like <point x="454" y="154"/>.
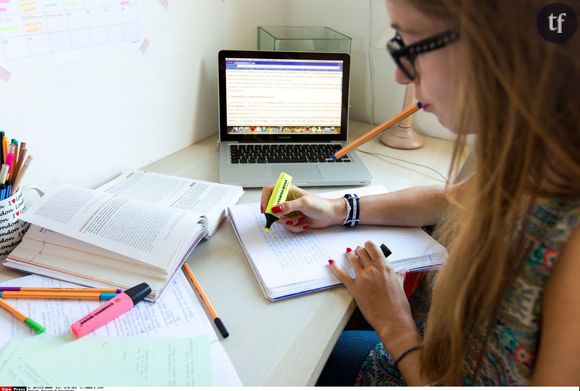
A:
<point x="404" y="56"/>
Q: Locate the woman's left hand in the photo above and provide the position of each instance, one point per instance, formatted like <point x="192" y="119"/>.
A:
<point x="378" y="291"/>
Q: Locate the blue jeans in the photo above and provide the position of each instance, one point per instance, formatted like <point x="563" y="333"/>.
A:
<point x="347" y="357"/>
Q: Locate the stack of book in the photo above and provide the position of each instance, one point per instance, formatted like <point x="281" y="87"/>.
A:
<point x="139" y="227"/>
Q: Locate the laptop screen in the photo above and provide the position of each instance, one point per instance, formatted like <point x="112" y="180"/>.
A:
<point x="283" y="96"/>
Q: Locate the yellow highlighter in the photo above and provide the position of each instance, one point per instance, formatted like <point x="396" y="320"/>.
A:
<point x="278" y="195"/>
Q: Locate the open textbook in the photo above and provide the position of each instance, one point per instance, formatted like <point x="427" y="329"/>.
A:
<point x="288" y="264"/>
<point x="57" y="357"/>
<point x="140" y="227"/>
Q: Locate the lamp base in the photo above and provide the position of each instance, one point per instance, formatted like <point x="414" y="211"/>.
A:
<point x="402" y="137"/>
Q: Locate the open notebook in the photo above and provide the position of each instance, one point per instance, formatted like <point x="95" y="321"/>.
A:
<point x="140" y="227"/>
<point x="288" y="264"/>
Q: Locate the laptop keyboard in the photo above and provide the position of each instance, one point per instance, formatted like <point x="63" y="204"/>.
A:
<point x="285" y="153"/>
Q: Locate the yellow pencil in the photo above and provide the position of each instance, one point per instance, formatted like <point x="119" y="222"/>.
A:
<point x="378" y="129"/>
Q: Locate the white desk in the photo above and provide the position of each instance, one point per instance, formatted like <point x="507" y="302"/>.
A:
<point x="287" y="342"/>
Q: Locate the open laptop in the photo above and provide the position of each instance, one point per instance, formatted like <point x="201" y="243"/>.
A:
<point x="285" y="111"/>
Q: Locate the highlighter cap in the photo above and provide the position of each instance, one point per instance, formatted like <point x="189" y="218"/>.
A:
<point x="138" y="292"/>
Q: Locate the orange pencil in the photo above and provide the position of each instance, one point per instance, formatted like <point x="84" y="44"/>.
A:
<point x="378" y="129"/>
<point x="218" y="322"/>
<point x="37" y="327"/>
<point x="56" y="295"/>
<point x="63" y="290"/>
<point x="5" y="147"/>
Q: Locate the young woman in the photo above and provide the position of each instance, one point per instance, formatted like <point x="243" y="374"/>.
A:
<point x="505" y="307"/>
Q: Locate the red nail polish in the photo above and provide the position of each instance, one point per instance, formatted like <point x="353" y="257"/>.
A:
<point x="261" y="208"/>
<point x="301" y="219"/>
<point x="330" y="261"/>
<point x="305" y="227"/>
<point x="348" y="249"/>
<point x="276" y="209"/>
<point x="288" y="222"/>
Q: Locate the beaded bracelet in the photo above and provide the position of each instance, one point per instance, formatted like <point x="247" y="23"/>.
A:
<point x="405" y="353"/>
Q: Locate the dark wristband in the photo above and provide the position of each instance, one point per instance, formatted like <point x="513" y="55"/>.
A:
<point x="352" y="219"/>
<point x="406" y="353"/>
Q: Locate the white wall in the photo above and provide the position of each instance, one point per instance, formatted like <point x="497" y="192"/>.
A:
<point x="353" y="18"/>
<point x="88" y="120"/>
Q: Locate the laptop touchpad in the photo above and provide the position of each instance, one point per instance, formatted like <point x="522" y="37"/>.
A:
<point x="299" y="173"/>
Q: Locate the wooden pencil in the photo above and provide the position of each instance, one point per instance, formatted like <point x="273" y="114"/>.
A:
<point x="378" y="129"/>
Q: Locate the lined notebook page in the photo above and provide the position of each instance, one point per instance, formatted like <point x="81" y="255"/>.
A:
<point x="281" y="258"/>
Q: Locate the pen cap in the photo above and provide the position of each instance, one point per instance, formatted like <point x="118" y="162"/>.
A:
<point x="138" y="292"/>
<point x="386" y="250"/>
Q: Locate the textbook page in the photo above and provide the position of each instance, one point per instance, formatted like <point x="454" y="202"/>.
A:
<point x="153" y="234"/>
<point x="204" y="198"/>
<point x="177" y="313"/>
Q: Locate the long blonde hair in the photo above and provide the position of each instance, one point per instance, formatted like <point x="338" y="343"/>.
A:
<point x="520" y="95"/>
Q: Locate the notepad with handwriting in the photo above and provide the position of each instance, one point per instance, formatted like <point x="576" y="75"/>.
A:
<point x="288" y="264"/>
<point x="140" y="227"/>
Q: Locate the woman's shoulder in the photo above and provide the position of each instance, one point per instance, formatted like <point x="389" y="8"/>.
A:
<point x="566" y="222"/>
<point x="551" y="226"/>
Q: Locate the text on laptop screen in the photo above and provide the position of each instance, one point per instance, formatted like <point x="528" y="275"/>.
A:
<point x="283" y="96"/>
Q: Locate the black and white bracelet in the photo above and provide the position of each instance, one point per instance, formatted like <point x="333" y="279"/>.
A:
<point x="352" y="210"/>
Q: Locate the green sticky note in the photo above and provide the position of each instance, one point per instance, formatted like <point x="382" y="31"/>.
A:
<point x="108" y="361"/>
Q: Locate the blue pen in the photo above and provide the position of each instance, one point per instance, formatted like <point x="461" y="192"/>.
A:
<point x="8" y="190"/>
<point x="2" y="192"/>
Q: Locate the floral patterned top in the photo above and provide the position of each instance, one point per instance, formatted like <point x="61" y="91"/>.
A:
<point x="511" y="350"/>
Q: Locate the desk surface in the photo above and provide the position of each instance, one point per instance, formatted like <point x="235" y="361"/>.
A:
<point x="286" y="342"/>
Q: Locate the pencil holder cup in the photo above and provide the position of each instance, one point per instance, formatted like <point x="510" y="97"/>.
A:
<point x="12" y="229"/>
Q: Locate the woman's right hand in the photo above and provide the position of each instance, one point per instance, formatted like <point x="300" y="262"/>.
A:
<point x="303" y="210"/>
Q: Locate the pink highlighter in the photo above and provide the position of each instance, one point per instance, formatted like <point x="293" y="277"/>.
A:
<point x="110" y="310"/>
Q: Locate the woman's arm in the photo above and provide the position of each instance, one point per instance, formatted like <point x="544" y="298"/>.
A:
<point x="413" y="207"/>
<point x="558" y="360"/>
<point x="378" y="291"/>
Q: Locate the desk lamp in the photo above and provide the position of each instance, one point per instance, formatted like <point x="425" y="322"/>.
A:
<point x="402" y="135"/>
